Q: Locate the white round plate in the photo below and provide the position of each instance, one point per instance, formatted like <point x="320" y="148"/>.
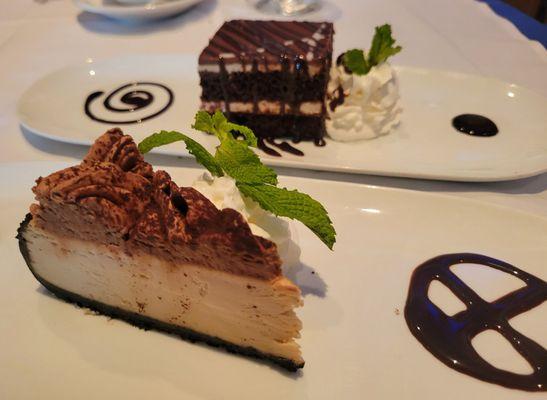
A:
<point x="153" y="9"/>
<point x="425" y="145"/>
<point x="355" y="339"/>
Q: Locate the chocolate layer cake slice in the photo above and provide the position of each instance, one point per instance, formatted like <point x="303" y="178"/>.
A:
<point x="269" y="75"/>
<point x="115" y="236"/>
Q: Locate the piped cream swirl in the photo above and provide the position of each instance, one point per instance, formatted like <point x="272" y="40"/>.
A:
<point x="362" y="106"/>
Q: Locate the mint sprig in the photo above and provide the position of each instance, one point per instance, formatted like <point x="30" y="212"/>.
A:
<point x="381" y="49"/>
<point x="382" y="45"/>
<point x="235" y="156"/>
<point x="218" y="125"/>
<point x="254" y="180"/>
<point x="355" y="61"/>
<point x="197" y="150"/>
<point x="242" y="164"/>
<point x="294" y="205"/>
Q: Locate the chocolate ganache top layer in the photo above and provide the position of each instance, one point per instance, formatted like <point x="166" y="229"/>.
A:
<point x="115" y="198"/>
<point x="246" y="41"/>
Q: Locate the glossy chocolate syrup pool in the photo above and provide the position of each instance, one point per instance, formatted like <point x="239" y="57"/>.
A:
<point x="475" y="125"/>
<point x="449" y="337"/>
<point x="127" y="99"/>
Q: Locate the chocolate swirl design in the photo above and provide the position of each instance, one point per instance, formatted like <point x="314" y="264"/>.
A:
<point x="449" y="337"/>
<point x="145" y="99"/>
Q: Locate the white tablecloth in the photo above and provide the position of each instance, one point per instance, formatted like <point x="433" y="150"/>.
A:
<point x="463" y="35"/>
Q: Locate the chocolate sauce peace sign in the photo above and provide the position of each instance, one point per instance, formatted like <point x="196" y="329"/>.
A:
<point x="449" y="337"/>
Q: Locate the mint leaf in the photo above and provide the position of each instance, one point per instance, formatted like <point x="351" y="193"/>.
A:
<point x="247" y="133"/>
<point x="203" y="122"/>
<point x="220" y="128"/>
<point x="197" y="150"/>
<point x="355" y="61"/>
<point x="382" y="45"/>
<point x="294" y="205"/>
<point x="380" y="50"/>
<point x="218" y="125"/>
<point x="242" y="164"/>
<point x="219" y="119"/>
<point x="214" y="124"/>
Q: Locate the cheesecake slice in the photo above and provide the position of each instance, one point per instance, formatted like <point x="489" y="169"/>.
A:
<point x="115" y="236"/>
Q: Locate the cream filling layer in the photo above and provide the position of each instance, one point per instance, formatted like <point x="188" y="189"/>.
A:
<point x="240" y="310"/>
<point x="313" y="69"/>
<point x="266" y="107"/>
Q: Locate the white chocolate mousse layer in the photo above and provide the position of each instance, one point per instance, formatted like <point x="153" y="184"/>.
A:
<point x="244" y="311"/>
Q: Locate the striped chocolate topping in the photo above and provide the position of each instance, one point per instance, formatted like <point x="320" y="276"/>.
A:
<point x="242" y="41"/>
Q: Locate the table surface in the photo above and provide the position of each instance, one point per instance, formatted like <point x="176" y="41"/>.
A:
<point x="38" y="37"/>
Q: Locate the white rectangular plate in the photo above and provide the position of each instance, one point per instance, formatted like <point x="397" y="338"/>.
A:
<point x="425" y="145"/>
<point x="355" y="339"/>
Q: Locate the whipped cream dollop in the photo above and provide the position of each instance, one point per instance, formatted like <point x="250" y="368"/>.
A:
<point x="362" y="106"/>
<point x="223" y="193"/>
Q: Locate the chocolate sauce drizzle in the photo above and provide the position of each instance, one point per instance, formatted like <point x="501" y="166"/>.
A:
<point x="475" y="125"/>
<point x="449" y="337"/>
<point x="133" y="97"/>
<point x="319" y="142"/>
<point x="338" y="99"/>
<point x="266" y="149"/>
<point x="223" y="84"/>
<point x="242" y="38"/>
<point x="284" y="146"/>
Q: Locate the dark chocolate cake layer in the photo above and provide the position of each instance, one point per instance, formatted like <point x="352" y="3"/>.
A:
<point x="278" y="126"/>
<point x="273" y="85"/>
